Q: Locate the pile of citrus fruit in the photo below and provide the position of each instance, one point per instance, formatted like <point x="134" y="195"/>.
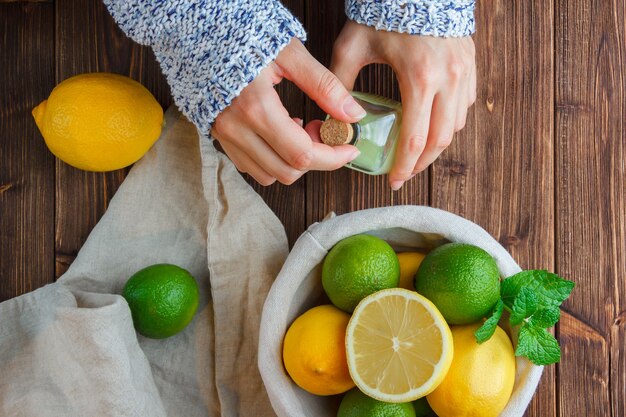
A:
<point x="398" y="339"/>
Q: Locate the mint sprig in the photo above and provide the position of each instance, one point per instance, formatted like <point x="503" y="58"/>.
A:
<point x="487" y="330"/>
<point x="532" y="299"/>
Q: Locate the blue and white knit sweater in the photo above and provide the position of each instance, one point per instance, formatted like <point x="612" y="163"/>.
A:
<point x="210" y="50"/>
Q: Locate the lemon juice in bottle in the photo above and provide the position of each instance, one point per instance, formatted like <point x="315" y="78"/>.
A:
<point x="375" y="136"/>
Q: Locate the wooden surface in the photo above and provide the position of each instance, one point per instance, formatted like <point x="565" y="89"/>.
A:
<point x="540" y="165"/>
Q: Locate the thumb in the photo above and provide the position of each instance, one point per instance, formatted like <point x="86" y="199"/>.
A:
<point x="321" y="85"/>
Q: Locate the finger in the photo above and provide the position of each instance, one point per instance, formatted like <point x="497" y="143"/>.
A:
<point x="345" y="66"/>
<point x="313" y="129"/>
<point x="472" y="84"/>
<point x="441" y="130"/>
<point x="416" y="110"/>
<point x="230" y="127"/>
<point x="461" y="112"/>
<point x="321" y="85"/>
<point x="265" y="114"/>
<point x="328" y="158"/>
<point x="245" y="164"/>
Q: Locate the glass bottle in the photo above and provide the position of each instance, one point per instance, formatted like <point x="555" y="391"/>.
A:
<point x="376" y="135"/>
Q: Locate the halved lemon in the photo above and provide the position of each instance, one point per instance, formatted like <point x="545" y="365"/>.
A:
<point x="399" y="347"/>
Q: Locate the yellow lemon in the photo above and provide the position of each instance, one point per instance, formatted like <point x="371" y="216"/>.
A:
<point x="480" y="380"/>
<point x="99" y="121"/>
<point x="398" y="345"/>
<point x="409" y="264"/>
<point x="314" y="351"/>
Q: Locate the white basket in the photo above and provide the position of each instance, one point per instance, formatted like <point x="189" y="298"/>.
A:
<point x="299" y="287"/>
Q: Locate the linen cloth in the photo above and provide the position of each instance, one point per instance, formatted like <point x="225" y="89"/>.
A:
<point x="70" y="349"/>
<point x="298" y="287"/>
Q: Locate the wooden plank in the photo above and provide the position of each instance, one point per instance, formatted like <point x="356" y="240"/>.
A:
<point x="345" y="190"/>
<point x="288" y="202"/>
<point x="590" y="196"/>
<point x="499" y="170"/>
<point x="88" y="40"/>
<point x="26" y="165"/>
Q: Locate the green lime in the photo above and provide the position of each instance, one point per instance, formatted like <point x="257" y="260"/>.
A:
<point x="357" y="404"/>
<point x="422" y="409"/>
<point x="356" y="267"/>
<point x="162" y="298"/>
<point x="462" y="281"/>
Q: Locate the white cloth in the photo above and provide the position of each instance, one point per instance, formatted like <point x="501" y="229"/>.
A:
<point x="298" y="287"/>
<point x="69" y="348"/>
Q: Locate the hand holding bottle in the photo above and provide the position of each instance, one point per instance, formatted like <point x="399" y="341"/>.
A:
<point x="260" y="137"/>
<point x="437" y="78"/>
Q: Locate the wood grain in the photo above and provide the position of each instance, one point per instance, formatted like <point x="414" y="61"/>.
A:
<point x="499" y="170"/>
<point x="540" y="165"/>
<point x="591" y="202"/>
<point x="345" y="190"/>
<point x="88" y="40"/>
<point x="26" y="165"/>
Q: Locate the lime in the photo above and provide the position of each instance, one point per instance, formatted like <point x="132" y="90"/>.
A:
<point x="357" y="404"/>
<point x="422" y="409"/>
<point x="356" y="267"/>
<point x="481" y="377"/>
<point x="162" y="298"/>
<point x="314" y="351"/>
<point x="462" y="280"/>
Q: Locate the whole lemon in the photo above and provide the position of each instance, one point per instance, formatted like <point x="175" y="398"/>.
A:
<point x="314" y="351"/>
<point x="462" y="280"/>
<point x="480" y="380"/>
<point x="409" y="264"/>
<point x="162" y="298"/>
<point x="99" y="121"/>
<point x="356" y="267"/>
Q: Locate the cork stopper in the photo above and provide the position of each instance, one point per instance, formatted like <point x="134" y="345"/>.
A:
<point x="334" y="132"/>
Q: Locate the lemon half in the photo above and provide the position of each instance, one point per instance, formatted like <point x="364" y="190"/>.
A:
<point x="398" y="346"/>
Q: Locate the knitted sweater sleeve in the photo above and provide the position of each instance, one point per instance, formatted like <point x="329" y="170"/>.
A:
<point x="442" y="18"/>
<point x="209" y="50"/>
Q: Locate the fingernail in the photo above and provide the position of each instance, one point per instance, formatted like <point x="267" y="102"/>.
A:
<point x="395" y="185"/>
<point x="299" y="121"/>
<point x="355" y="155"/>
<point x="352" y="108"/>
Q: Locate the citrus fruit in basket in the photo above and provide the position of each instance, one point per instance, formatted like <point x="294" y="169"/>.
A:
<point x="462" y="280"/>
<point x="314" y="351"/>
<point x="480" y="380"/>
<point x="99" y="121"/>
<point x="409" y="264"/>
<point x="162" y="298"/>
<point x="422" y="409"/>
<point x="398" y="346"/>
<point x="357" y="404"/>
<point x="356" y="267"/>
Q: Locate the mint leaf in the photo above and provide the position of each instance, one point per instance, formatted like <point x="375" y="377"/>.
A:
<point x="524" y="305"/>
<point x="545" y="317"/>
<point x="484" y="332"/>
<point x="550" y="289"/>
<point x="510" y="287"/>
<point x="539" y="346"/>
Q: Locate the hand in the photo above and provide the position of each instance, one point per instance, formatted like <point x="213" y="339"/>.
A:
<point x="437" y="78"/>
<point x="261" y="138"/>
